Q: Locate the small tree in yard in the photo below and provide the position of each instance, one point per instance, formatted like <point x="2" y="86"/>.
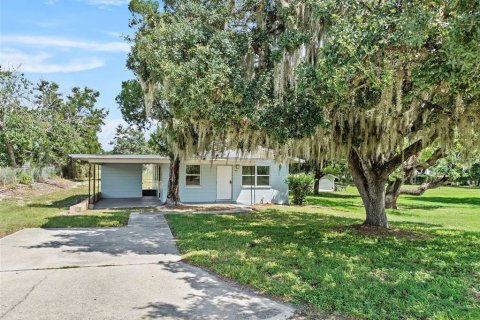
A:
<point x="300" y="185"/>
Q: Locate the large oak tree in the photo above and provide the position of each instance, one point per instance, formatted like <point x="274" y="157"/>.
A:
<point x="374" y="82"/>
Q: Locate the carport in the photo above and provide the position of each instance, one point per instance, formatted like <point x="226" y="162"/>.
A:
<point x="115" y="181"/>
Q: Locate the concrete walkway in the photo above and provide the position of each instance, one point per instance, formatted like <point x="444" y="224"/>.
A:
<point x="116" y="273"/>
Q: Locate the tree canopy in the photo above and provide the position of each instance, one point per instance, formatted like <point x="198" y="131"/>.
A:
<point x="40" y="125"/>
<point x="129" y="140"/>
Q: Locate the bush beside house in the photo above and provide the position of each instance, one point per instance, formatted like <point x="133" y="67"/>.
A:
<point x="300" y="185"/>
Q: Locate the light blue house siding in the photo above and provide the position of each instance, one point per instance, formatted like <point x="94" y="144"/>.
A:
<point x="122" y="180"/>
<point x="162" y="190"/>
<point x="276" y="192"/>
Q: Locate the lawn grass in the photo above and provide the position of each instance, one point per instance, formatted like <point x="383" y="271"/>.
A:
<point x="445" y="207"/>
<point x="429" y="268"/>
<point x="49" y="211"/>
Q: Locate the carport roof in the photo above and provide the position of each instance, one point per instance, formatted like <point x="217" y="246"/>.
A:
<point x="227" y="156"/>
<point x="120" y="158"/>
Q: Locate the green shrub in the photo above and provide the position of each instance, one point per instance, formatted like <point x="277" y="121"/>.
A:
<point x="300" y="185"/>
<point x="25" y="178"/>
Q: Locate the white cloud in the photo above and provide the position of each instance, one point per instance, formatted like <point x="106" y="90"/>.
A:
<point x="114" y="34"/>
<point x="50" y="41"/>
<point x="108" y="2"/>
<point x="108" y="132"/>
<point x="37" y="62"/>
<point x="50" y="23"/>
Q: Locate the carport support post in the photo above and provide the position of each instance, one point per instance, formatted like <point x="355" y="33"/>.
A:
<point x="252" y="177"/>
<point x="98" y="183"/>
<point x="94" y="176"/>
<point x="89" y="174"/>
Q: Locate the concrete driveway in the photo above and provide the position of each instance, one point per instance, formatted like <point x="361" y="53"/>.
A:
<point x="116" y="273"/>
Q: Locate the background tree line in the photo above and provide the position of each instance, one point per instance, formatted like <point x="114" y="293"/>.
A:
<point x="39" y="125"/>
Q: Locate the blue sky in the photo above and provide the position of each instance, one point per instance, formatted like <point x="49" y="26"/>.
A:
<point x="71" y="42"/>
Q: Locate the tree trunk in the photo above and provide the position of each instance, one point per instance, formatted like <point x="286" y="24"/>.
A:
<point x="10" y="152"/>
<point x="371" y="185"/>
<point x="173" y="195"/>
<point x="316" y="185"/>
<point x="9" y="147"/>
<point x="392" y="193"/>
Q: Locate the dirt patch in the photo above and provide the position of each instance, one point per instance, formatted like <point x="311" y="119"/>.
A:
<point x="373" y="231"/>
<point x="21" y="191"/>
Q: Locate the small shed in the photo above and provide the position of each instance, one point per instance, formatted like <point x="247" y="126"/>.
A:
<point x="327" y="183"/>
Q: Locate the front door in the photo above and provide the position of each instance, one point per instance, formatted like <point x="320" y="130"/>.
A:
<point x="224" y="182"/>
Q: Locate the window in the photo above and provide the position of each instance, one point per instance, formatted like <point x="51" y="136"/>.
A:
<point x="259" y="176"/>
<point x="192" y="175"/>
<point x="263" y="176"/>
<point x="248" y="175"/>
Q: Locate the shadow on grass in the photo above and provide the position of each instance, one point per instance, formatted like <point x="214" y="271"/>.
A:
<point x="105" y="219"/>
<point x="404" y="210"/>
<point x="419" y="207"/>
<point x="409" y="225"/>
<point x="446" y="201"/>
<point x="337" y="195"/>
<point x="63" y="203"/>
<point x="332" y="202"/>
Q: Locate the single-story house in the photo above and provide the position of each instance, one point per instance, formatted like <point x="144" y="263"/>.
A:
<point x="229" y="178"/>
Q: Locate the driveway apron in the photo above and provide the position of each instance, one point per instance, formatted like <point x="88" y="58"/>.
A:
<point x="133" y="272"/>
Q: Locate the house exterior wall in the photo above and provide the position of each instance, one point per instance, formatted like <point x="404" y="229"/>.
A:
<point x="277" y="192"/>
<point x="206" y="192"/>
<point x="125" y="180"/>
<point x="164" y="172"/>
<point x="122" y="180"/>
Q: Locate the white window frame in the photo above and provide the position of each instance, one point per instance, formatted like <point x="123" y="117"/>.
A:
<point x="256" y="175"/>
<point x="262" y="175"/>
<point x="199" y="174"/>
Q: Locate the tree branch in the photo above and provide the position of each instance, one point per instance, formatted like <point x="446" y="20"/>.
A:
<point x="425" y="186"/>
<point x="390" y="166"/>
<point x="437" y="154"/>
